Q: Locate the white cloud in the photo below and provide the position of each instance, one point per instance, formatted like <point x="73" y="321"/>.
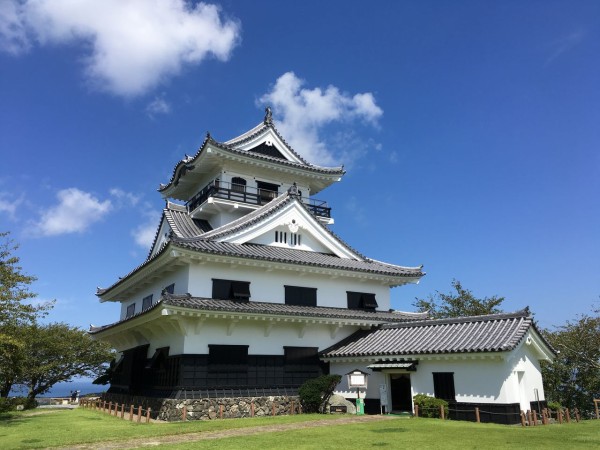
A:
<point x="158" y="106"/>
<point x="564" y="44"/>
<point x="135" y="44"/>
<point x="303" y="112"/>
<point x="13" y="36"/>
<point x="75" y="212"/>
<point x="145" y="232"/>
<point x="124" y="197"/>
<point x="9" y="206"/>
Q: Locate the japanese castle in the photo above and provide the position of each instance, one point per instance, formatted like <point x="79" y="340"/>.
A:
<point x="246" y="292"/>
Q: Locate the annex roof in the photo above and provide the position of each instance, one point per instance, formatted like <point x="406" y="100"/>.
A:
<point x="491" y="333"/>
<point x="200" y="304"/>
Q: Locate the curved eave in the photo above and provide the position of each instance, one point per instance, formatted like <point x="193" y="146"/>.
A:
<point x="194" y="165"/>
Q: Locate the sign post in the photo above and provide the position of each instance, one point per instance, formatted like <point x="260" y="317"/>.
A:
<point x="383" y="397"/>
<point x="358" y="379"/>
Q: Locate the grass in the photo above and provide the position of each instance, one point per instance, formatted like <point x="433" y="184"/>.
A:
<point x="71" y="427"/>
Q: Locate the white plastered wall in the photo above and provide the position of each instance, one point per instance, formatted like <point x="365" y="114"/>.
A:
<point x="178" y="276"/>
<point x="269" y="286"/>
<point x="512" y="377"/>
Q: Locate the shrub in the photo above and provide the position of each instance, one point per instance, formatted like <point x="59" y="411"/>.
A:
<point x="430" y="406"/>
<point x="554" y="406"/>
<point x="315" y="392"/>
<point x="10" y="404"/>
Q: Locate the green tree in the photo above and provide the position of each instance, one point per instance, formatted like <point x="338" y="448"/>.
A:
<point x="573" y="379"/>
<point x="457" y="304"/>
<point x="15" y="312"/>
<point x="58" y="352"/>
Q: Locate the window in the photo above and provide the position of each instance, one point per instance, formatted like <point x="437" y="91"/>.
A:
<point x="443" y="385"/>
<point x="147" y="302"/>
<point x="130" y="311"/>
<point x="170" y="289"/>
<point x="238" y="184"/>
<point x="231" y="290"/>
<point x="361" y="300"/>
<point x="267" y="191"/>
<point x="282" y="237"/>
<point x="302" y="296"/>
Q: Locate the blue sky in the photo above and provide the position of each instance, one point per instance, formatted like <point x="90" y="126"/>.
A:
<point x="469" y="131"/>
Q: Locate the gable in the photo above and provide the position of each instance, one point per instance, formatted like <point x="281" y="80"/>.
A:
<point x="292" y="226"/>
<point x="269" y="143"/>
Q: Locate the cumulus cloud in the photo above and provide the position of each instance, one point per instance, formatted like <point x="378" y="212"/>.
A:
<point x="134" y="44"/>
<point x="144" y="233"/>
<point x="75" y="212"/>
<point x="302" y="113"/>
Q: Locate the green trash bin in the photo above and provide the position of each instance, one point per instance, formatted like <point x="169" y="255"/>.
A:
<point x="360" y="406"/>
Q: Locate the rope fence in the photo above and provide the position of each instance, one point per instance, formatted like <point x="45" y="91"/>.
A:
<point x="527" y="418"/>
<point x="132" y="413"/>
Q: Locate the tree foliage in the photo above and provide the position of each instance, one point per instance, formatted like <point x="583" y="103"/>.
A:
<point x="14" y="288"/>
<point x="58" y="352"/>
<point x="573" y="379"/>
<point x="462" y="302"/>
<point x="15" y="312"/>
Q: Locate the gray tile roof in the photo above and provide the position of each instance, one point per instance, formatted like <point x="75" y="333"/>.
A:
<point x="182" y="224"/>
<point x="275" y="309"/>
<point x="491" y="333"/>
<point x="189" y="160"/>
<point x="293" y="256"/>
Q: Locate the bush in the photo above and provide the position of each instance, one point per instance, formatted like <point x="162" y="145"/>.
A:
<point x="554" y="406"/>
<point x="430" y="406"/>
<point x="10" y="404"/>
<point x="314" y="393"/>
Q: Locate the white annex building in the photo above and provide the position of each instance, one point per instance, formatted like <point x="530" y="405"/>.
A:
<point x="246" y="292"/>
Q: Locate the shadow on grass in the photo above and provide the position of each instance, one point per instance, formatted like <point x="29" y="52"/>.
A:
<point x="389" y="430"/>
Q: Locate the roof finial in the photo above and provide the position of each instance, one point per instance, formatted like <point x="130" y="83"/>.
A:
<point x="293" y="190"/>
<point x="268" y="116"/>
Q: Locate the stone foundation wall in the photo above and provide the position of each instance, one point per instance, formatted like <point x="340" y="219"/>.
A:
<point x="212" y="408"/>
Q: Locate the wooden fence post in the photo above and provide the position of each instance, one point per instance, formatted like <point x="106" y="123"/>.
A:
<point x="184" y="413"/>
<point x="568" y="415"/>
<point x="221" y="411"/>
<point x="544" y="416"/>
<point x="416" y="410"/>
<point x="139" y="419"/>
<point x="122" y="410"/>
<point x="534" y="414"/>
<point x="560" y="416"/>
<point x="272" y="409"/>
<point x="477" y="415"/>
<point x="529" y="419"/>
<point x="576" y="414"/>
<point x="596" y="400"/>
<point x="252" y="409"/>
<point x="148" y="415"/>
<point x="522" y="418"/>
<point x="442" y="412"/>
<point x="109" y="408"/>
<point x="131" y="413"/>
<point x="292" y="409"/>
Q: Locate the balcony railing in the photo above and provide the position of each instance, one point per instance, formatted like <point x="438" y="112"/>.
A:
<point x="250" y="195"/>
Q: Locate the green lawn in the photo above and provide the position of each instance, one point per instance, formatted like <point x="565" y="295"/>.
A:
<point x="69" y="427"/>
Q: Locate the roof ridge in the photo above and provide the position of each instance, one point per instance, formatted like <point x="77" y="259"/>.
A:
<point x="523" y="313"/>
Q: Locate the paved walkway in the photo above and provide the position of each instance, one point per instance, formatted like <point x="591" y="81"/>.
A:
<point x="210" y="435"/>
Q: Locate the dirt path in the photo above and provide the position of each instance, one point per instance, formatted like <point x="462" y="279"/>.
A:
<point x="193" y="437"/>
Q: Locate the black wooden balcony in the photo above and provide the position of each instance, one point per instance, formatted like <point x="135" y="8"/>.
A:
<point x="249" y="195"/>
